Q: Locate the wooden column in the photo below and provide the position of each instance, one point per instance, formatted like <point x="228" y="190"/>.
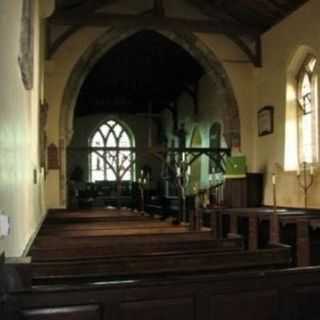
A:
<point x="303" y="243"/>
<point x="214" y="224"/>
<point x="195" y="217"/>
<point x="274" y="228"/>
<point x="233" y="227"/>
<point x="253" y="233"/>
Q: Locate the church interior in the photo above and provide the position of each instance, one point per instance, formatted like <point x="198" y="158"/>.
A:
<point x="171" y="159"/>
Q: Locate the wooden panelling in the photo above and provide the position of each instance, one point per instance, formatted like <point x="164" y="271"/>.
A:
<point x="253" y="305"/>
<point x="269" y="295"/>
<point x="89" y="312"/>
<point x="158" y="310"/>
<point x="307" y="303"/>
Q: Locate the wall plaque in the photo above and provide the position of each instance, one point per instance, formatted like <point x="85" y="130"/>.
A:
<point x="53" y="157"/>
<point x="265" y="120"/>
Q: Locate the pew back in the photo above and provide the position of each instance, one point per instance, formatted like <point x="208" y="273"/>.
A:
<point x="283" y="294"/>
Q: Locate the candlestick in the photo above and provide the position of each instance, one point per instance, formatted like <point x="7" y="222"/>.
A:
<point x="311" y="170"/>
<point x="273" y="179"/>
<point x="305" y="181"/>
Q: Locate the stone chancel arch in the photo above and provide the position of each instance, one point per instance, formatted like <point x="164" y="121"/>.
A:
<point x="111" y="38"/>
<point x="203" y="55"/>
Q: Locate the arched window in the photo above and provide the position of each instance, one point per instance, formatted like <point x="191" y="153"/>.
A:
<point x="112" y="153"/>
<point x="307" y="102"/>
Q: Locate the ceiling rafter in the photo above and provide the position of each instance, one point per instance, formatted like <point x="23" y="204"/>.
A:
<point x="283" y="9"/>
<point x="253" y="53"/>
<point x="130" y="20"/>
<point x="86" y="8"/>
<point x="158" y="8"/>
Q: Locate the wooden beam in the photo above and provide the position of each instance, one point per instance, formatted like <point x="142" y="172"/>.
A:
<point x="158" y="8"/>
<point x="254" y="54"/>
<point x="218" y="12"/>
<point x="162" y="23"/>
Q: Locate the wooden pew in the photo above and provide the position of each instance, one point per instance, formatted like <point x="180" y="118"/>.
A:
<point x="255" y="218"/>
<point x="160" y="263"/>
<point x="90" y="216"/>
<point x="122" y="246"/>
<point x="48" y="242"/>
<point x="266" y="295"/>
<point x="111" y="228"/>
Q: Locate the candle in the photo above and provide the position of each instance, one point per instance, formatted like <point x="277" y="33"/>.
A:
<point x="273" y="179"/>
<point x="183" y="156"/>
<point x="178" y="171"/>
<point x="139" y="180"/>
<point x="141" y="172"/>
<point x="189" y="171"/>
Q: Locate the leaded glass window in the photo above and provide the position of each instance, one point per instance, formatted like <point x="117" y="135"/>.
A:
<point x="308" y="112"/>
<point x="111" y="153"/>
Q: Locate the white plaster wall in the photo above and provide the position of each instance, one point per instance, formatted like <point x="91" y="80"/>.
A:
<point x="280" y="44"/>
<point x="58" y="70"/>
<point x="240" y="73"/>
<point x="211" y="105"/>
<point x="19" y="197"/>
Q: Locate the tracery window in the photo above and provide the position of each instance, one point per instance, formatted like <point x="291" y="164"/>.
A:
<point x="112" y="154"/>
<point x="308" y="112"/>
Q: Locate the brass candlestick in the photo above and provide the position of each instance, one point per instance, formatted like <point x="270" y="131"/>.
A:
<point x="274" y="228"/>
<point x="305" y="180"/>
<point x="142" y="181"/>
<point x="183" y="171"/>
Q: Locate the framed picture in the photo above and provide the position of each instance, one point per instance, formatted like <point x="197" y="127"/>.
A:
<point x="265" y="120"/>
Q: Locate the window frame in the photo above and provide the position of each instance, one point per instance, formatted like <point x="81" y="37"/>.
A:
<point x="106" y="153"/>
<point x="302" y="113"/>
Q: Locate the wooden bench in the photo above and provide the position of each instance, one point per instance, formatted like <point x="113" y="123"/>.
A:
<point x="160" y="263"/>
<point x="122" y="246"/>
<point x="254" y="218"/>
<point x="249" y="295"/>
<point x="57" y="241"/>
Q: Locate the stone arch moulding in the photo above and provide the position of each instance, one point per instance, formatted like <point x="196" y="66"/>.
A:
<point x="198" y="50"/>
